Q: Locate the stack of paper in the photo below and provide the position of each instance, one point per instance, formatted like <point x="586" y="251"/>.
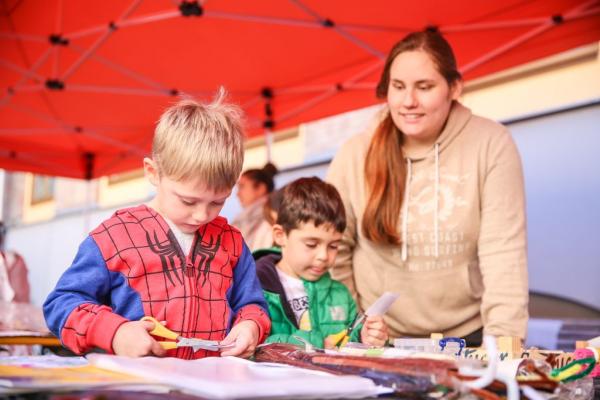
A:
<point x="235" y="378"/>
<point x="53" y="373"/>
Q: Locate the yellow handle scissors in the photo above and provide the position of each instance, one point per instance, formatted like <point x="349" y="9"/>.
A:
<point x="179" y="341"/>
<point x="342" y="338"/>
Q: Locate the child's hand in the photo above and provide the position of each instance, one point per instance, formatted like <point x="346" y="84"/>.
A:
<point x="374" y="331"/>
<point x="133" y="340"/>
<point x="245" y="337"/>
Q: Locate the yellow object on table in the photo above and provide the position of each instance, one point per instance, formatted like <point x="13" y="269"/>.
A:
<point x="28" y="338"/>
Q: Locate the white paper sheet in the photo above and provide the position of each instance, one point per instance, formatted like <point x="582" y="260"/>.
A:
<point x="595" y="342"/>
<point x="15" y="333"/>
<point x="382" y="304"/>
<point x="48" y="361"/>
<point x="235" y="378"/>
<point x="509" y="368"/>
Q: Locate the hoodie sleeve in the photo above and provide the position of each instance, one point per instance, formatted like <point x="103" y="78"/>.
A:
<point x="502" y="243"/>
<point x="75" y="310"/>
<point x="246" y="297"/>
<point x="339" y="177"/>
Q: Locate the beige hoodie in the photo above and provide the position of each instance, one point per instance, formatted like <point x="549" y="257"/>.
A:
<point x="463" y="264"/>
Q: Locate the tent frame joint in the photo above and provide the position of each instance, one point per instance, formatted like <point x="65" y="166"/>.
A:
<point x="55" y="84"/>
<point x="190" y="9"/>
<point x="558" y="19"/>
<point x="57" y="39"/>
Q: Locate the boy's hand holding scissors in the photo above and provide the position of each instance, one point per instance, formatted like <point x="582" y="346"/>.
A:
<point x="133" y="339"/>
<point x="137" y="339"/>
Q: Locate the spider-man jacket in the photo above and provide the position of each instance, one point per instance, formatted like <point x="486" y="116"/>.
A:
<point x="132" y="265"/>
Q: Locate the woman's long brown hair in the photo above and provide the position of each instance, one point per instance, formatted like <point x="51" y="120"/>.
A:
<point x="385" y="167"/>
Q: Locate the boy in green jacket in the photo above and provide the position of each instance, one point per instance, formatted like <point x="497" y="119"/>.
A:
<point x="303" y="299"/>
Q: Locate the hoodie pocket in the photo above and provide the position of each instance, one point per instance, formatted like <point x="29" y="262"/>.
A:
<point x="431" y="301"/>
<point x="444" y="290"/>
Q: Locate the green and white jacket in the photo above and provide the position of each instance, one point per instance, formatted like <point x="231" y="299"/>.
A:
<point x="331" y="307"/>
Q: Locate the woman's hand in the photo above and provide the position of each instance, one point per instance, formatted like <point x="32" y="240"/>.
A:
<point x="374" y="331"/>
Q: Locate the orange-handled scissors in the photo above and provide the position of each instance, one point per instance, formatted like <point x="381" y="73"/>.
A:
<point x="345" y="336"/>
<point x="179" y="341"/>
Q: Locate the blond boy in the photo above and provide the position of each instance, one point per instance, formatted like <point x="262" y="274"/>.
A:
<point x="173" y="258"/>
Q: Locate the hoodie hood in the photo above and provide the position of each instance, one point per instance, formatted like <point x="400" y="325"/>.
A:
<point x="266" y="271"/>
<point x="458" y="118"/>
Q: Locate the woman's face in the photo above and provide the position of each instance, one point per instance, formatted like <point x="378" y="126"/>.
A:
<point x="419" y="97"/>
<point x="249" y="191"/>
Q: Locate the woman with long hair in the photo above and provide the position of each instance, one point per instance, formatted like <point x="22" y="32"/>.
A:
<point x="253" y="189"/>
<point x="435" y="204"/>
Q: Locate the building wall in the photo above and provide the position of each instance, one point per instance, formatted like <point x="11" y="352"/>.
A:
<point x="562" y="184"/>
<point x="565" y="79"/>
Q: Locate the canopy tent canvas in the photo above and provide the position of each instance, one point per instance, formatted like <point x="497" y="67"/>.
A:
<point x="84" y="82"/>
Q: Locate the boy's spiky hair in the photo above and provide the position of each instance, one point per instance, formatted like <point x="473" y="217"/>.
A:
<point x="194" y="140"/>
<point x="311" y="200"/>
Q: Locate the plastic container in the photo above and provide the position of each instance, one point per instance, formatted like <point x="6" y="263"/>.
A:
<point x="417" y="345"/>
<point x="452" y="345"/>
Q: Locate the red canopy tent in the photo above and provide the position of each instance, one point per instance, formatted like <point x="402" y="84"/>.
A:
<point x="84" y="82"/>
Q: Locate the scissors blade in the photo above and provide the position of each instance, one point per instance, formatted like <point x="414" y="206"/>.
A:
<point x="359" y="319"/>
<point x="197" y="344"/>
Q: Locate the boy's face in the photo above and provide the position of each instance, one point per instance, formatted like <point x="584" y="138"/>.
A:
<point x="308" y="251"/>
<point x="188" y="204"/>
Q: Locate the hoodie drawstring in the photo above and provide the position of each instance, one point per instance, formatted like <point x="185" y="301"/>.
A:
<point x="437" y="200"/>
<point x="405" y="210"/>
<point x="436" y="227"/>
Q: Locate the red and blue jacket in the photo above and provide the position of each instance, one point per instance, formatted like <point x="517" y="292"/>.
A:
<point x="132" y="265"/>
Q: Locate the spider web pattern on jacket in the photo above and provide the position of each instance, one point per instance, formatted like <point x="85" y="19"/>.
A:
<point x="189" y="292"/>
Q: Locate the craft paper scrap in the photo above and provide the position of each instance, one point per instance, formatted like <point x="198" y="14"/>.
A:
<point x="22" y="374"/>
<point x="48" y="361"/>
<point x="382" y="304"/>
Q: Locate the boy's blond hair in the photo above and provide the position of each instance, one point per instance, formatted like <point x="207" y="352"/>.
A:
<point x="193" y="140"/>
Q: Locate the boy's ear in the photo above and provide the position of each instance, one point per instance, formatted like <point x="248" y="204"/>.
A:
<point x="151" y="171"/>
<point x="279" y="235"/>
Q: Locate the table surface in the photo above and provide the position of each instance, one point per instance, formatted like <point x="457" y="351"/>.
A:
<point x="24" y="339"/>
<point x="30" y="340"/>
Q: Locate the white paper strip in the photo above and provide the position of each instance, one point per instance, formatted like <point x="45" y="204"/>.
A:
<point x="382" y="304"/>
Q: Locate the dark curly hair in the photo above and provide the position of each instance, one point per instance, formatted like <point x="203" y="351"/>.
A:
<point x="311" y="200"/>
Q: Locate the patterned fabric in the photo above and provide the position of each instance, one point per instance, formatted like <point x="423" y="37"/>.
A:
<point x="132" y="265"/>
<point x="296" y="298"/>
